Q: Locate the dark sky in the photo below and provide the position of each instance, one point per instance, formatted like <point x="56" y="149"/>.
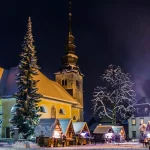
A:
<point x="106" y="32"/>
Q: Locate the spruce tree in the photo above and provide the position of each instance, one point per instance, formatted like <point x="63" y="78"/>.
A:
<point x="25" y="112"/>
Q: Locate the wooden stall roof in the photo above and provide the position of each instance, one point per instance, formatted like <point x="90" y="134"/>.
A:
<point x="65" y="124"/>
<point x="102" y="129"/>
<point x="47" y="126"/>
<point x="117" y="129"/>
<point x="80" y="126"/>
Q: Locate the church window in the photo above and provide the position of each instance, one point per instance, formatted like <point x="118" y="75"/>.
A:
<point x="64" y="82"/>
<point x="62" y="111"/>
<point x="53" y="112"/>
<point x="77" y="84"/>
<point x="42" y="109"/>
<point x="74" y="117"/>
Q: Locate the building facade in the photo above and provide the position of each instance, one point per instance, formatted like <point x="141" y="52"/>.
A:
<point x="141" y="116"/>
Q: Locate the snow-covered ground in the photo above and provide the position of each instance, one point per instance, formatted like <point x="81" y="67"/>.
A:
<point x="110" y="146"/>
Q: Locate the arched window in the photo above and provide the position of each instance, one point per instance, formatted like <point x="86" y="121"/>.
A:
<point x="42" y="109"/>
<point x="74" y="117"/>
<point x="62" y="111"/>
<point x="53" y="112"/>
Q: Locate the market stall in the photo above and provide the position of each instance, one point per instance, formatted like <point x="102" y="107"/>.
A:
<point x="51" y="132"/>
<point x="119" y="130"/>
<point x="68" y="131"/>
<point x="82" y="132"/>
<point x="103" y="133"/>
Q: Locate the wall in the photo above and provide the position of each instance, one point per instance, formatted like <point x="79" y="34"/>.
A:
<point x="75" y="112"/>
<point x="136" y="127"/>
<point x="48" y="103"/>
<point x="6" y="108"/>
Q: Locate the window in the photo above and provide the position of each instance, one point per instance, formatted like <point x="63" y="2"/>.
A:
<point x="141" y="120"/>
<point x="77" y="84"/>
<point x="62" y="111"/>
<point x="133" y="121"/>
<point x="74" y="117"/>
<point x="53" y="112"/>
<point x="133" y="134"/>
<point x="42" y="109"/>
<point x="64" y="82"/>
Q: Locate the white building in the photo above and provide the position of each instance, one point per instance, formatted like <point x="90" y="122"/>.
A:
<point x="141" y="116"/>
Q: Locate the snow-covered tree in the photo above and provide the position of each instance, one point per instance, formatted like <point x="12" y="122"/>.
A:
<point x="115" y="98"/>
<point x="25" y="112"/>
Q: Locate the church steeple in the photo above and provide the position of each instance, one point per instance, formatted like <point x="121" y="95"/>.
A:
<point x="70" y="58"/>
<point x="70" y="47"/>
<point x="70" y="76"/>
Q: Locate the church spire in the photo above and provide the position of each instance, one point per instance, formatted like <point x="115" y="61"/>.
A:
<point x="70" y="47"/>
<point x="70" y="15"/>
<point x="70" y="59"/>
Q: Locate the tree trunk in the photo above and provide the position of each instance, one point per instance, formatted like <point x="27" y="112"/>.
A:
<point x="114" y="117"/>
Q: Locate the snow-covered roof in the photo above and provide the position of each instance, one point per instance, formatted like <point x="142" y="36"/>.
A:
<point x="100" y="129"/>
<point x="47" y="126"/>
<point x="79" y="127"/>
<point x="65" y="123"/>
<point x="46" y="87"/>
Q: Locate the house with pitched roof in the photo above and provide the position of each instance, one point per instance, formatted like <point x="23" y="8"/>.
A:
<point x="141" y="116"/>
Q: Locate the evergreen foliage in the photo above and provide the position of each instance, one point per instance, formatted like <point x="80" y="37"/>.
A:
<point x="25" y="112"/>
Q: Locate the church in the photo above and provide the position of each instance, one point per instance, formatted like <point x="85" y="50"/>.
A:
<point x="62" y="98"/>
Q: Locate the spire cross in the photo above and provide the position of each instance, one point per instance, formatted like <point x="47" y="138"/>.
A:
<point x="70" y="15"/>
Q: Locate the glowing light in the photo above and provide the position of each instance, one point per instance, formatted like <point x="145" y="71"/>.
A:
<point x="56" y="134"/>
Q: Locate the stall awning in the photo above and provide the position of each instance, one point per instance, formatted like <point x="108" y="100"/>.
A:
<point x="102" y="129"/>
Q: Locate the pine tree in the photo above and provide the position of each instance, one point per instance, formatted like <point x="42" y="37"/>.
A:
<point x="25" y="112"/>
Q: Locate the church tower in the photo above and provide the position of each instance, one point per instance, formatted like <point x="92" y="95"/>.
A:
<point x="70" y="76"/>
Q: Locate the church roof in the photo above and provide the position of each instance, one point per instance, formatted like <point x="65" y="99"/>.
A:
<point x="46" y="87"/>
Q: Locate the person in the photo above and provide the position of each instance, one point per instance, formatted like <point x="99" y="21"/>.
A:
<point x="63" y="140"/>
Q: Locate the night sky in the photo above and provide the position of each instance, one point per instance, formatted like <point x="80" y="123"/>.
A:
<point x="106" y="32"/>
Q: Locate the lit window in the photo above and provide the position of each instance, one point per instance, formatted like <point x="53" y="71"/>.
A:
<point x="42" y="109"/>
<point x="133" y="121"/>
<point x="141" y="120"/>
<point x="62" y="111"/>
